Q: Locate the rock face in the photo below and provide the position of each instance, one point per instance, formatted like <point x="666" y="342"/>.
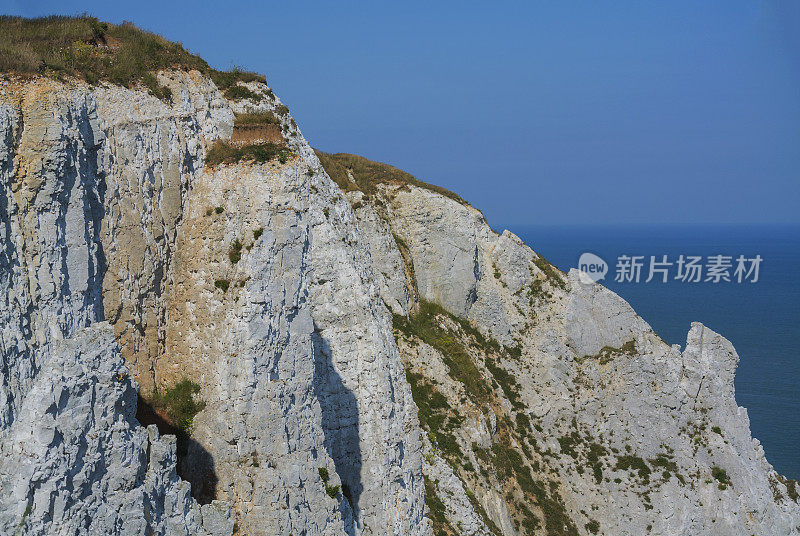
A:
<point x="111" y="215"/>
<point x="372" y="363"/>
<point x="575" y="418"/>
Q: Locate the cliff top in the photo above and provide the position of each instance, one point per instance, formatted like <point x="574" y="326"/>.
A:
<point x="89" y="49"/>
<point x="367" y="174"/>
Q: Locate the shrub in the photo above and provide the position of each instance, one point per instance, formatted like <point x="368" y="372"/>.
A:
<point x="721" y="475"/>
<point x="179" y="405"/>
<point x="225" y="153"/>
<point x="219" y="210"/>
<point x="235" y="251"/>
<point x="238" y="92"/>
<point x="257" y="233"/>
<point x="323" y="474"/>
<point x="222" y="284"/>
<point x="332" y="491"/>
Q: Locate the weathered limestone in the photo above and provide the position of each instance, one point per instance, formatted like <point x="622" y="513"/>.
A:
<point x="635" y="436"/>
<point x="116" y="245"/>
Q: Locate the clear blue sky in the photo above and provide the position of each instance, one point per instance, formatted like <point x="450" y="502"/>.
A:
<point x="536" y="112"/>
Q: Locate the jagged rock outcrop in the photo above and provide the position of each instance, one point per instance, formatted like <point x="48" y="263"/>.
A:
<point x="580" y="420"/>
<point x="294" y="353"/>
<point x="76" y="461"/>
<point x="371" y="362"/>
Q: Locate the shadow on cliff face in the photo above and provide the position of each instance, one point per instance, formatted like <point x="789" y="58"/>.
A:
<point x="195" y="464"/>
<point x="339" y="424"/>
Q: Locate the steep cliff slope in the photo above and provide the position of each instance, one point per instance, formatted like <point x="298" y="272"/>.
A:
<point x="550" y="406"/>
<point x="110" y="214"/>
<point x="369" y="356"/>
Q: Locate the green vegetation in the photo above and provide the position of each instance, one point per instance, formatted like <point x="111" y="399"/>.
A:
<point x="228" y="83"/>
<point x="178" y="405"/>
<point x="553" y="274"/>
<point x="219" y="210"/>
<point x="608" y="353"/>
<point x="225" y="153"/>
<point x="507" y="383"/>
<point x="596" y="451"/>
<point x="235" y="251"/>
<point x="228" y="79"/>
<point x="425" y="326"/>
<point x="593" y="526"/>
<point x="257" y="233"/>
<point x="323" y="474"/>
<point x="721" y="476"/>
<point x="634" y="463"/>
<point x="436" y="511"/>
<point x="240" y="93"/>
<point x="83" y="47"/>
<point x="332" y="491"/>
<point x="369" y="174"/>
<point x="222" y="284"/>
<point x="259" y="118"/>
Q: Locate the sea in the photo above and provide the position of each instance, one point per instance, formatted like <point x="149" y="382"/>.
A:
<point x="761" y="318"/>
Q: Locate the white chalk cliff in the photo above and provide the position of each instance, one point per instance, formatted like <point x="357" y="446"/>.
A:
<point x="378" y="361"/>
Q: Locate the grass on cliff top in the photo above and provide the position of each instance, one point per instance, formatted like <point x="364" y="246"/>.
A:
<point x="368" y="174"/>
<point x="226" y="153"/>
<point x="60" y="46"/>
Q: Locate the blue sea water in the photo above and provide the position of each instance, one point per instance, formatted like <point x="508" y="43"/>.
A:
<point x="761" y="319"/>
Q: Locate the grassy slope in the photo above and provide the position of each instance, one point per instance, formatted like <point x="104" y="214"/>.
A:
<point x="95" y="51"/>
<point x="368" y="174"/>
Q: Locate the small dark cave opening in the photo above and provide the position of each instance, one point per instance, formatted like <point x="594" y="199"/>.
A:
<point x="195" y="464"/>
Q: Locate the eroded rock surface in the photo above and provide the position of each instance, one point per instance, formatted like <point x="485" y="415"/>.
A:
<point x="343" y="344"/>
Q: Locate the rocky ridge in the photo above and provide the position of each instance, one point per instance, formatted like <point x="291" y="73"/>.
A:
<point x="316" y="322"/>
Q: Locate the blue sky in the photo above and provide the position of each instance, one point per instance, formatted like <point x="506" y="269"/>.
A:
<point x="536" y="112"/>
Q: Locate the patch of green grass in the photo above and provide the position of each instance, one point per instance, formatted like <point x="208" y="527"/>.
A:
<point x="235" y="251"/>
<point x="219" y="210"/>
<point x="437" y="511"/>
<point x="179" y="405"/>
<point x="83" y="47"/>
<point x="226" y="79"/>
<point x="596" y="452"/>
<point x="507" y="383"/>
<point x="241" y="93"/>
<point x="634" y="463"/>
<point x="225" y="153"/>
<point x="259" y="118"/>
<point x="554" y="275"/>
<point x="368" y="174"/>
<point x="332" y="491"/>
<point x="222" y="284"/>
<point x="608" y="353"/>
<point x="257" y="233"/>
<point x="462" y="368"/>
